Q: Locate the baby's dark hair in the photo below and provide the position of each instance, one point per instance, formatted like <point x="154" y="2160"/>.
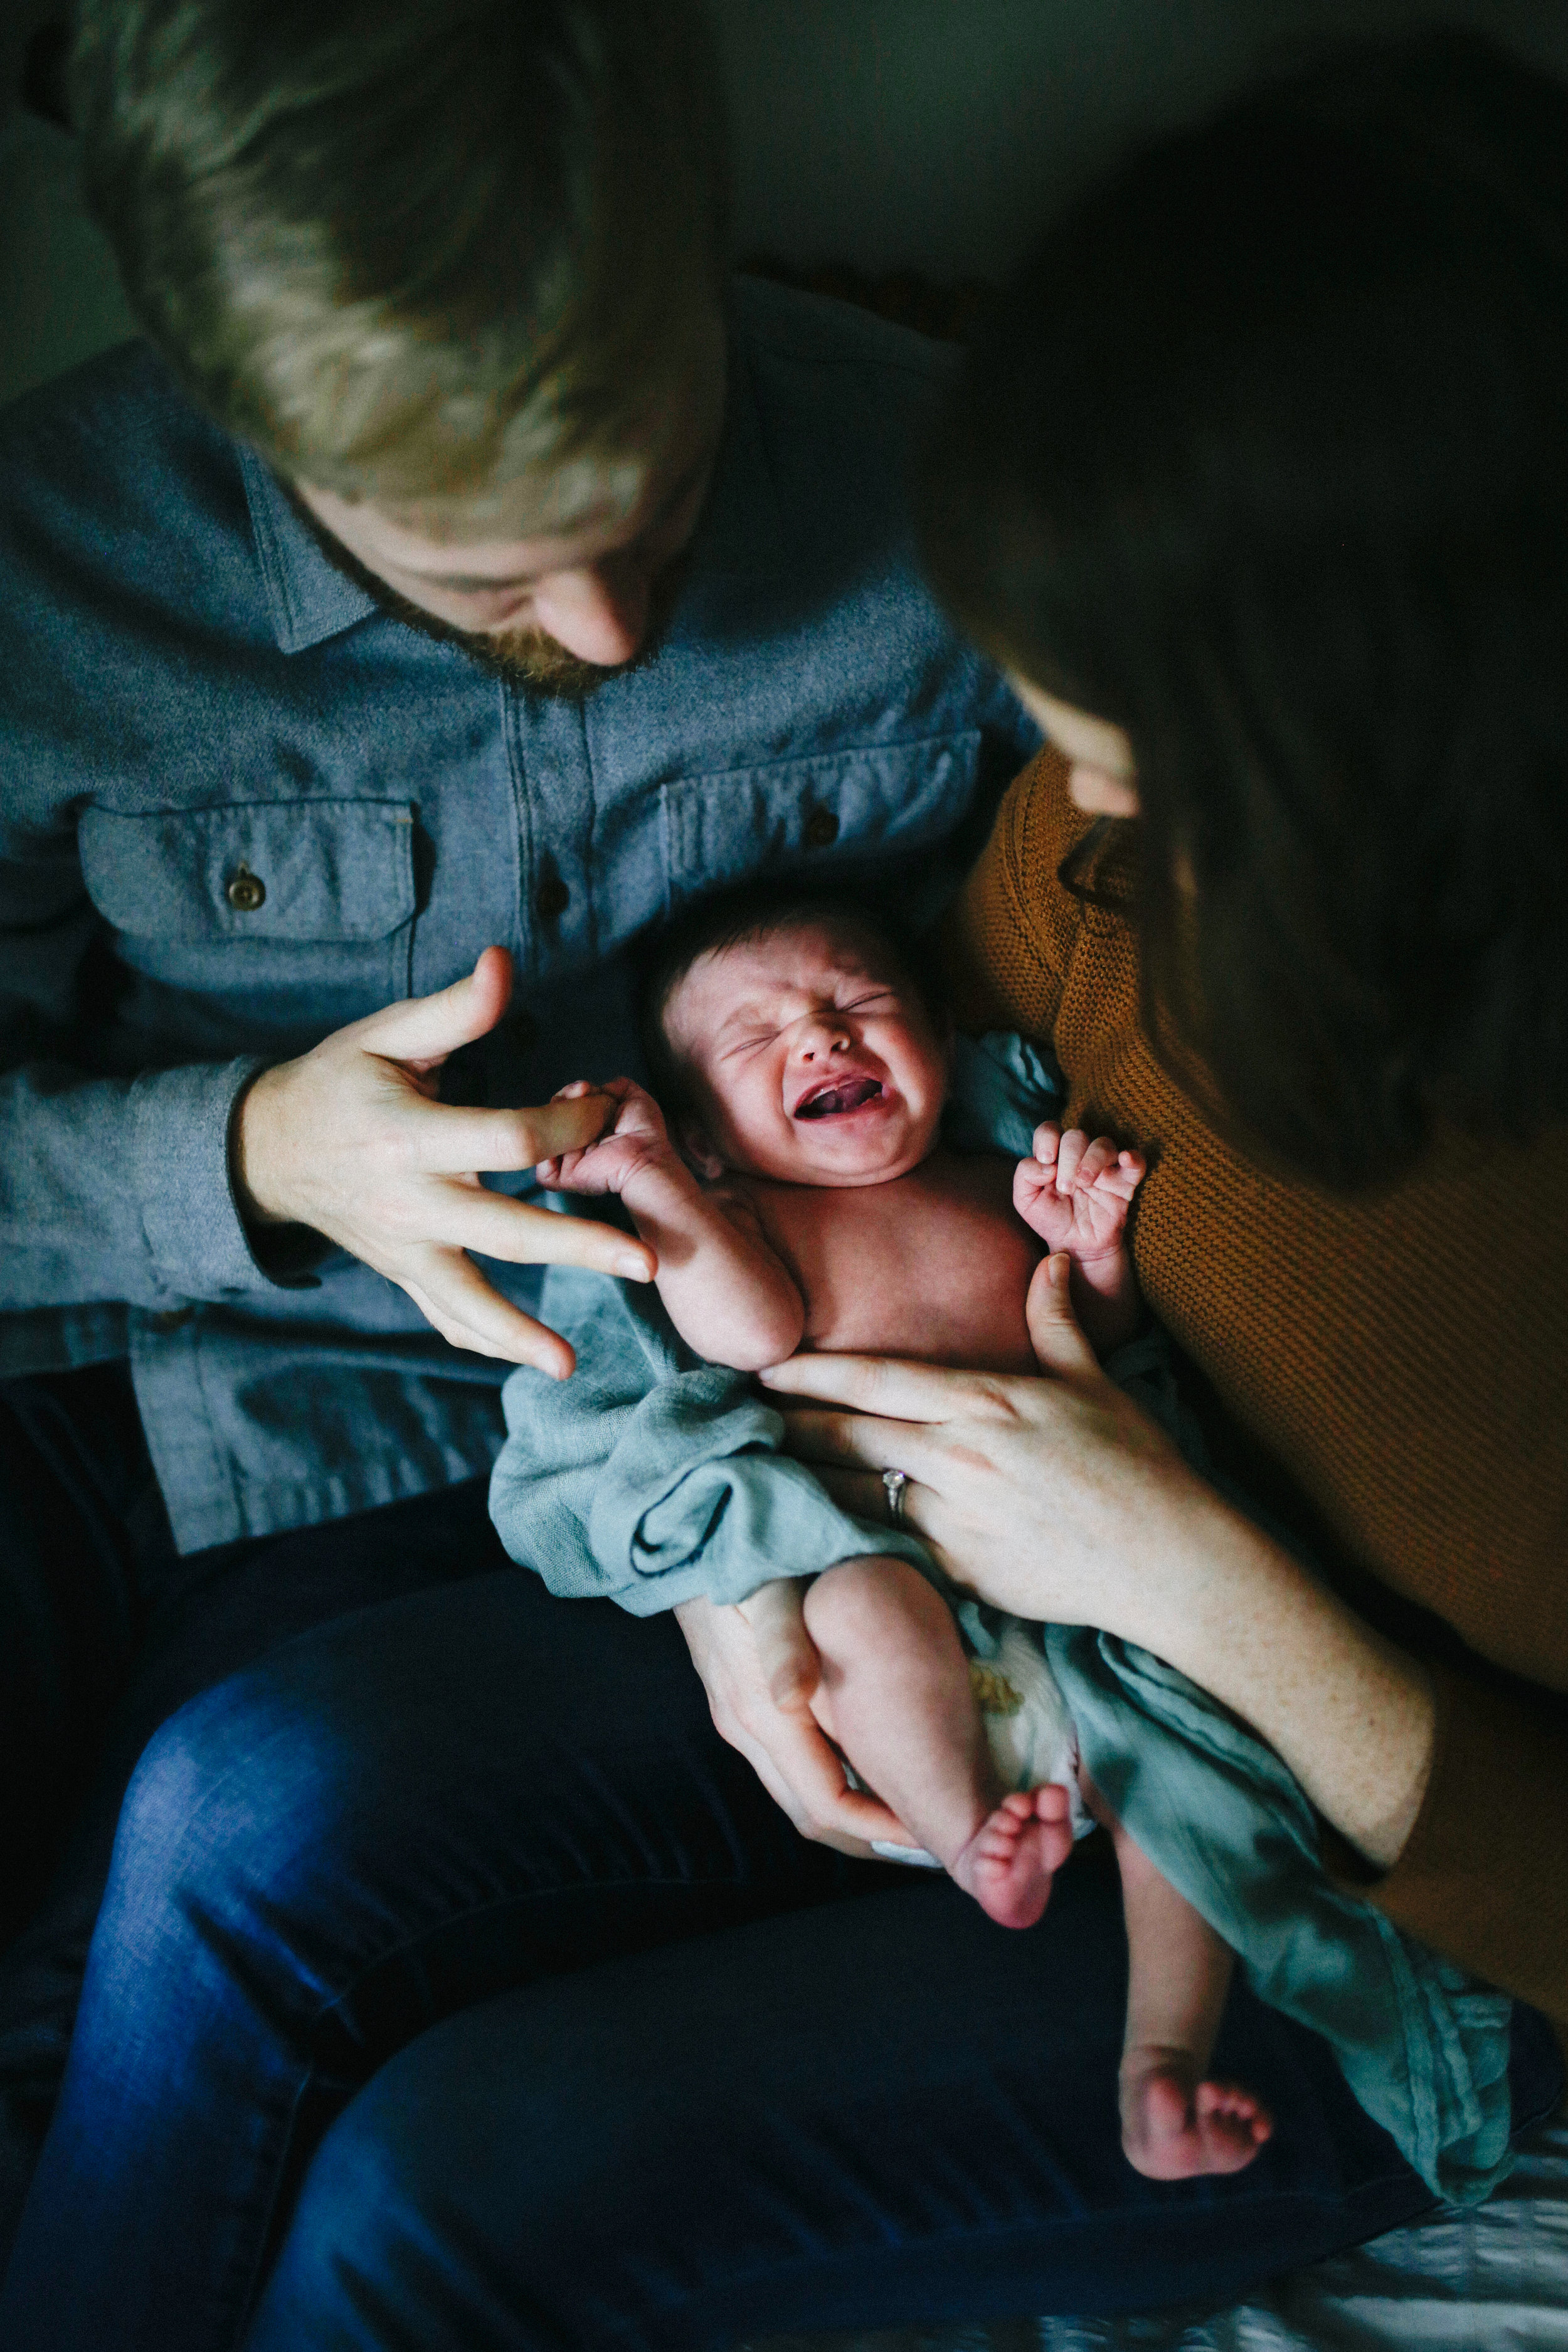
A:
<point x="738" y="918"/>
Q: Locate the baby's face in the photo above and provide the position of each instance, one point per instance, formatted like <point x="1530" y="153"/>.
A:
<point x="813" y="1060"/>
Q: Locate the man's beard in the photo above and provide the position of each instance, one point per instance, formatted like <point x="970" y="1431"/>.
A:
<point x="523" y="657"/>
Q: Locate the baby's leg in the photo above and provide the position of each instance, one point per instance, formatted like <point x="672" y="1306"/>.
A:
<point x="895" y="1695"/>
<point x="1174" y="2121"/>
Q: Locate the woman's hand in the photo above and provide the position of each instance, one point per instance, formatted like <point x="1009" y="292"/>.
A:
<point x="1057" y="1499"/>
<point x="760" y="1668"/>
<point x="1023" y="1488"/>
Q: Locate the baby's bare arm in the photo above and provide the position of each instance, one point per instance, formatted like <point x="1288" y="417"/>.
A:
<point x="729" y="1294"/>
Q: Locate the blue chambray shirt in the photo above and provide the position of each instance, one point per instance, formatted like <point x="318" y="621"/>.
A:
<point x="187" y="686"/>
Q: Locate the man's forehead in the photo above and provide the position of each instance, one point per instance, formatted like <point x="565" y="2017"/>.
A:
<point x="532" y="525"/>
<point x="549" y="502"/>
<point x="529" y="519"/>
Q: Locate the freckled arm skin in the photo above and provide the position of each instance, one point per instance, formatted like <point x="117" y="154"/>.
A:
<point x="729" y="1294"/>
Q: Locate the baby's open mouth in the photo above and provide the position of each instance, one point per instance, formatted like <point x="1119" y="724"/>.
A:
<point x="836" y="1095"/>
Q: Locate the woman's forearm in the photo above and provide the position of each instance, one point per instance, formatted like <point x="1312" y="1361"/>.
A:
<point x="1352" y="1716"/>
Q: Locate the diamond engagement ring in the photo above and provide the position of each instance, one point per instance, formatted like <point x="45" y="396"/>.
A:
<point x="893" y="1484"/>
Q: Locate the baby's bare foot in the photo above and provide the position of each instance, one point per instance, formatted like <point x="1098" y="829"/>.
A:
<point x="1173" y="2125"/>
<point x="1009" y="1862"/>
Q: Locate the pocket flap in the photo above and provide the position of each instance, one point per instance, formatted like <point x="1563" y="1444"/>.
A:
<point x="253" y="870"/>
<point x="889" y="798"/>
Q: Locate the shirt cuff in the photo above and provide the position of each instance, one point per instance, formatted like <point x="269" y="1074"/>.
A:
<point x="181" y="1176"/>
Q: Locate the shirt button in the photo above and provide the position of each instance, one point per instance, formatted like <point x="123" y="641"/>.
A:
<point x="553" y="897"/>
<point x="245" y="891"/>
<point x="821" y="829"/>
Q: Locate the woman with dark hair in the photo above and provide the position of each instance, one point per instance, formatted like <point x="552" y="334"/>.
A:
<point x="1258" y="483"/>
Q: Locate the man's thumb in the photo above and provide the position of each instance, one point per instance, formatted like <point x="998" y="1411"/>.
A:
<point x="426" y="1029"/>
<point x="1054" y="1332"/>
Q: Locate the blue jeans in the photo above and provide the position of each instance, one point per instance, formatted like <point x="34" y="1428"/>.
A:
<point x="670" y="2075"/>
<point x="104" y="1632"/>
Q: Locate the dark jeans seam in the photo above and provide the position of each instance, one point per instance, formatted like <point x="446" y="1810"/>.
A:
<point x="501" y="1902"/>
<point x="288" y="2125"/>
<point x="961" y="2235"/>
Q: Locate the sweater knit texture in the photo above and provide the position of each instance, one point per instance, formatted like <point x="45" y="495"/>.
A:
<point x="1401" y="1356"/>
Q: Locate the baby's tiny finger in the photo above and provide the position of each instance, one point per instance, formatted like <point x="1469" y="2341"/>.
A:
<point x="1100" y="1156"/>
<point x="1047" y="1136"/>
<point x="1073" y="1146"/>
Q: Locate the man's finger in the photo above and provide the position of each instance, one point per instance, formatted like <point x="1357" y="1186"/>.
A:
<point x="454" y="1298"/>
<point x="467" y="1217"/>
<point x="452" y="1139"/>
<point x="427" y="1028"/>
<point x="873" y="1384"/>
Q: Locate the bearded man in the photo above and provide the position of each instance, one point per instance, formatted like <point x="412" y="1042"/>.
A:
<point x="463" y="571"/>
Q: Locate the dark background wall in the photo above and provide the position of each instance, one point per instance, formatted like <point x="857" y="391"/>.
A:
<point x="934" y="134"/>
<point x="892" y="134"/>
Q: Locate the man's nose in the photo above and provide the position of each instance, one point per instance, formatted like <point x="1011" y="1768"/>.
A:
<point x="597" y="613"/>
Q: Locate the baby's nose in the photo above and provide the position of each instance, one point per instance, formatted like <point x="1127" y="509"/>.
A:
<point x="821" y="1034"/>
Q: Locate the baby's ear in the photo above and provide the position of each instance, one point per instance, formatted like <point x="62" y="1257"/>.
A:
<point x="699" y="1151"/>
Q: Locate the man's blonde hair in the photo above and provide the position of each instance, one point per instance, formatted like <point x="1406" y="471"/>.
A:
<point x="412" y="248"/>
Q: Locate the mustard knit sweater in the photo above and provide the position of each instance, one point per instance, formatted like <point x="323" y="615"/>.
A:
<point x="1405" y="1360"/>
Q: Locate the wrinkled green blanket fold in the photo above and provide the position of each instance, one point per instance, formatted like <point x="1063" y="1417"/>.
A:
<point x="651" y="1478"/>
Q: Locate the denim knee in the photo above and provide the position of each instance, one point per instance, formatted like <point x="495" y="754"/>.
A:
<point x="362" y="2264"/>
<point x="230" y="1797"/>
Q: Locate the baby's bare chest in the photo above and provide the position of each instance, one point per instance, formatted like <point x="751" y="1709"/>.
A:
<point x="935" y="1266"/>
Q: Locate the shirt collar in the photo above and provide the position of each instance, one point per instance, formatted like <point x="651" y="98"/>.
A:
<point x="309" y="600"/>
<point x="740" y="531"/>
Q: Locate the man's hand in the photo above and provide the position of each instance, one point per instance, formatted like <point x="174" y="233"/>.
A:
<point x="760" y="1668"/>
<point x="352" y="1140"/>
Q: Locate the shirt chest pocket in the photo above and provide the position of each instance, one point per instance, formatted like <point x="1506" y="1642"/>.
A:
<point x="891" y="800"/>
<point x="314" y="896"/>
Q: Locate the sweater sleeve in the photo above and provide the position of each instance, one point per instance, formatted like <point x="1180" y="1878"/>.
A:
<point x="1408" y="1384"/>
<point x="1004" y="969"/>
<point x="1484" y="1874"/>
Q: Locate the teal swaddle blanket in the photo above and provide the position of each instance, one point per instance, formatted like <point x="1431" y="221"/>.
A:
<point x="650" y="1478"/>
